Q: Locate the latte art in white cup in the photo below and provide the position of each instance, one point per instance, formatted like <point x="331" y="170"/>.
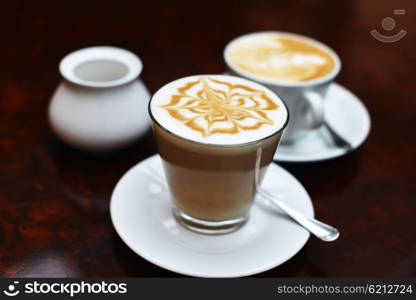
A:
<point x="216" y="136"/>
<point x="297" y="68"/>
<point x="280" y="57"/>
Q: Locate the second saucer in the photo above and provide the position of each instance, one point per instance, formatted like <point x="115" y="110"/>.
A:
<point x="346" y="114"/>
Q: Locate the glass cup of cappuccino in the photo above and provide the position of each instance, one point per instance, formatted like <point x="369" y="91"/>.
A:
<point x="297" y="68"/>
<point x="216" y="136"/>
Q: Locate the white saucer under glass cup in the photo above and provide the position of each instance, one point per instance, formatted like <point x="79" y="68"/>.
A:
<point x="303" y="96"/>
<point x="212" y="176"/>
<point x="141" y="212"/>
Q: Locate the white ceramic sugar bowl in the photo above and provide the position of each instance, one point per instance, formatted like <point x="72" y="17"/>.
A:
<point x="100" y="105"/>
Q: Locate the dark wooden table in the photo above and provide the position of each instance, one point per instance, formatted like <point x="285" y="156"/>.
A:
<point x="54" y="201"/>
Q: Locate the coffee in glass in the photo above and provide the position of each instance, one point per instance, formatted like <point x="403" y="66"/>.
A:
<point x="216" y="136"/>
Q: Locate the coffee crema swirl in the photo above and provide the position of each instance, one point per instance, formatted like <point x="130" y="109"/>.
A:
<point x="211" y="106"/>
<point x="281" y="58"/>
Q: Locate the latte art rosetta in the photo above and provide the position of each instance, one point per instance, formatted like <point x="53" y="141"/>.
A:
<point x="281" y="58"/>
<point x="209" y="106"/>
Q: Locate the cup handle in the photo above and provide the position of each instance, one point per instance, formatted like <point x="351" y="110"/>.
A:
<point x="312" y="110"/>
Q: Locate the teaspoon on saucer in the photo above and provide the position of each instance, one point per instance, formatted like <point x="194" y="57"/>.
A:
<point x="321" y="230"/>
<point x="337" y="139"/>
<point x="315" y="118"/>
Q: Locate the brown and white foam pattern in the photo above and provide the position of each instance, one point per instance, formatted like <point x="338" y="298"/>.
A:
<point x="218" y="109"/>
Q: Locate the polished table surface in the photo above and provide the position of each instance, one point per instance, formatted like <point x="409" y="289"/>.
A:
<point x="54" y="200"/>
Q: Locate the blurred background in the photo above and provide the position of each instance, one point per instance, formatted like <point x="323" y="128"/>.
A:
<point x="54" y="218"/>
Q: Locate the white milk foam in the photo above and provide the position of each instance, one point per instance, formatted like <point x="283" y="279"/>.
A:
<point x="192" y="108"/>
<point x="264" y="55"/>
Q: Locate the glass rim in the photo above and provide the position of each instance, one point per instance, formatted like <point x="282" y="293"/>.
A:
<point x="155" y="121"/>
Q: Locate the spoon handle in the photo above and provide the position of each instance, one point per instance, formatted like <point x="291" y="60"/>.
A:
<point x="338" y="140"/>
<point x="321" y="230"/>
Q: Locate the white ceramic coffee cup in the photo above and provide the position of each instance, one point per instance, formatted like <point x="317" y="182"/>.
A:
<point x="305" y="99"/>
